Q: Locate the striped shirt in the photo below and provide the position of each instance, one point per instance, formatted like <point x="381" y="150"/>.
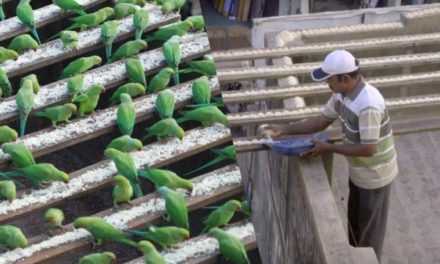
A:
<point x="365" y="120"/>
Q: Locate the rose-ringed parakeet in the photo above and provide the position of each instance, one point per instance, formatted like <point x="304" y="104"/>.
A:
<point x="89" y="100"/>
<point x="126" y="115"/>
<point x="92" y="19"/>
<point x="141" y="20"/>
<point x="25" y="14"/>
<point x="165" y="178"/>
<point x="129" y="49"/>
<point x="126" y="167"/>
<point x="106" y="257"/>
<point x="222" y="215"/>
<point x="205" y="115"/>
<point x="125" y="9"/>
<point x="132" y="89"/>
<point x="171" y="52"/>
<point x="151" y="256"/>
<point x="136" y="71"/>
<point x="201" y="92"/>
<point x="38" y="174"/>
<point x="7" y="134"/>
<point x="198" y="23"/>
<point x="75" y="85"/>
<point x="80" y="65"/>
<point x="226" y="153"/>
<point x="22" y="43"/>
<point x="5" y="85"/>
<point x="172" y="6"/>
<point x="34" y="79"/>
<point x="69" y="39"/>
<point x="7" y="54"/>
<point x="67" y="5"/>
<point x="125" y="144"/>
<point x="12" y="237"/>
<point x="102" y="231"/>
<point x="245" y="207"/>
<point x="231" y="247"/>
<point x="175" y="206"/>
<point x="165" y="128"/>
<point x="166" y="236"/>
<point x="122" y="192"/>
<point x="60" y="113"/>
<point x="8" y="190"/>
<point x="205" y="67"/>
<point x="109" y="32"/>
<point x="167" y="32"/>
<point x="53" y="217"/>
<point x="161" y="80"/>
<point x="19" y="153"/>
<point x="165" y="104"/>
<point x="25" y="103"/>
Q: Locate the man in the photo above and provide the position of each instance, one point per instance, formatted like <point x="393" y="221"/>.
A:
<point x="368" y="145"/>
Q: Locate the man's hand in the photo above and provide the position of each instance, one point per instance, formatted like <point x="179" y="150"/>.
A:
<point x="271" y="131"/>
<point x="320" y="148"/>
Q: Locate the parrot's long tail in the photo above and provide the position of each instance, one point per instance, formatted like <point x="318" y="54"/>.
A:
<point x="138" y="34"/>
<point x="211" y="163"/>
<point x="187" y="70"/>
<point x="108" y="53"/>
<point x="2" y="14"/>
<point x="182" y="119"/>
<point x="80" y="12"/>
<point x="203" y="105"/>
<point x="135" y="232"/>
<point x="211" y="207"/>
<point x="147" y="137"/>
<point x="74" y="26"/>
<point x="137" y="190"/>
<point x="176" y="78"/>
<point x="23" y="120"/>
<point x="36" y="36"/>
<point x="41" y="114"/>
<point x="150" y="38"/>
<point x="128" y="242"/>
<point x="9" y="174"/>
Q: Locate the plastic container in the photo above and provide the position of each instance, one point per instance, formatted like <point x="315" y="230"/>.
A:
<point x="295" y="146"/>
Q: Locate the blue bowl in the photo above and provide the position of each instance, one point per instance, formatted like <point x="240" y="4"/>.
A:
<point x="295" y="146"/>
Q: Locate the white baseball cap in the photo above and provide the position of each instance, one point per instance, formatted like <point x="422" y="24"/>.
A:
<point x="336" y="62"/>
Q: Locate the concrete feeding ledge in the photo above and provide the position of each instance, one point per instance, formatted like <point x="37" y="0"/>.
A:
<point x="208" y="188"/>
<point x="110" y="75"/>
<point x="49" y="140"/>
<point x="12" y="27"/>
<point x="100" y="175"/>
<point x="204" y="248"/>
<point x="88" y="40"/>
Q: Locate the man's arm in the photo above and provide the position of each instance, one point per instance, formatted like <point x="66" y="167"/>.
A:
<point x="308" y="126"/>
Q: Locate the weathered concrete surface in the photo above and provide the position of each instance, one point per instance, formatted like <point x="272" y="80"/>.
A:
<point x="414" y="218"/>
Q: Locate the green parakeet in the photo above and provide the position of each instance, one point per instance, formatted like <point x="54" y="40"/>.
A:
<point x="109" y="32"/>
<point x="69" y="39"/>
<point x="7" y="54"/>
<point x="129" y="49"/>
<point x="25" y="103"/>
<point x="231" y="247"/>
<point x="126" y="167"/>
<point x="165" y="178"/>
<point x="92" y="19"/>
<point x="125" y="144"/>
<point x="161" y="80"/>
<point x="7" y="134"/>
<point x="201" y="91"/>
<point x="175" y="206"/>
<point x="172" y="5"/>
<point x="197" y="22"/>
<point x="135" y="71"/>
<point x="2" y="13"/>
<point x="60" y="113"/>
<point x="126" y="115"/>
<point x="125" y="9"/>
<point x="25" y="14"/>
<point x="171" y="52"/>
<point x="38" y="174"/>
<point x="22" y="43"/>
<point x="5" y="85"/>
<point x="205" y="67"/>
<point x="80" y="65"/>
<point x="75" y="85"/>
<point x="222" y="215"/>
<point x="165" y="104"/>
<point x="165" y="33"/>
<point x="245" y="208"/>
<point x="53" y="217"/>
<point x="135" y="2"/>
<point x="102" y="231"/>
<point x="205" y="115"/>
<point x="132" y="89"/>
<point x="89" y="100"/>
<point x="12" y="237"/>
<point x="106" y="257"/>
<point x="8" y="190"/>
<point x="122" y="192"/>
<point x="151" y="255"/>
<point x="226" y="153"/>
<point x="67" y="5"/>
<point x="141" y="19"/>
<point x="20" y="154"/>
<point x="166" y="236"/>
<point x="34" y="79"/>
<point x="165" y="128"/>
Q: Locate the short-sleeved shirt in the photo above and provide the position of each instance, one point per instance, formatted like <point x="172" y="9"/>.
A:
<point x="364" y="119"/>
